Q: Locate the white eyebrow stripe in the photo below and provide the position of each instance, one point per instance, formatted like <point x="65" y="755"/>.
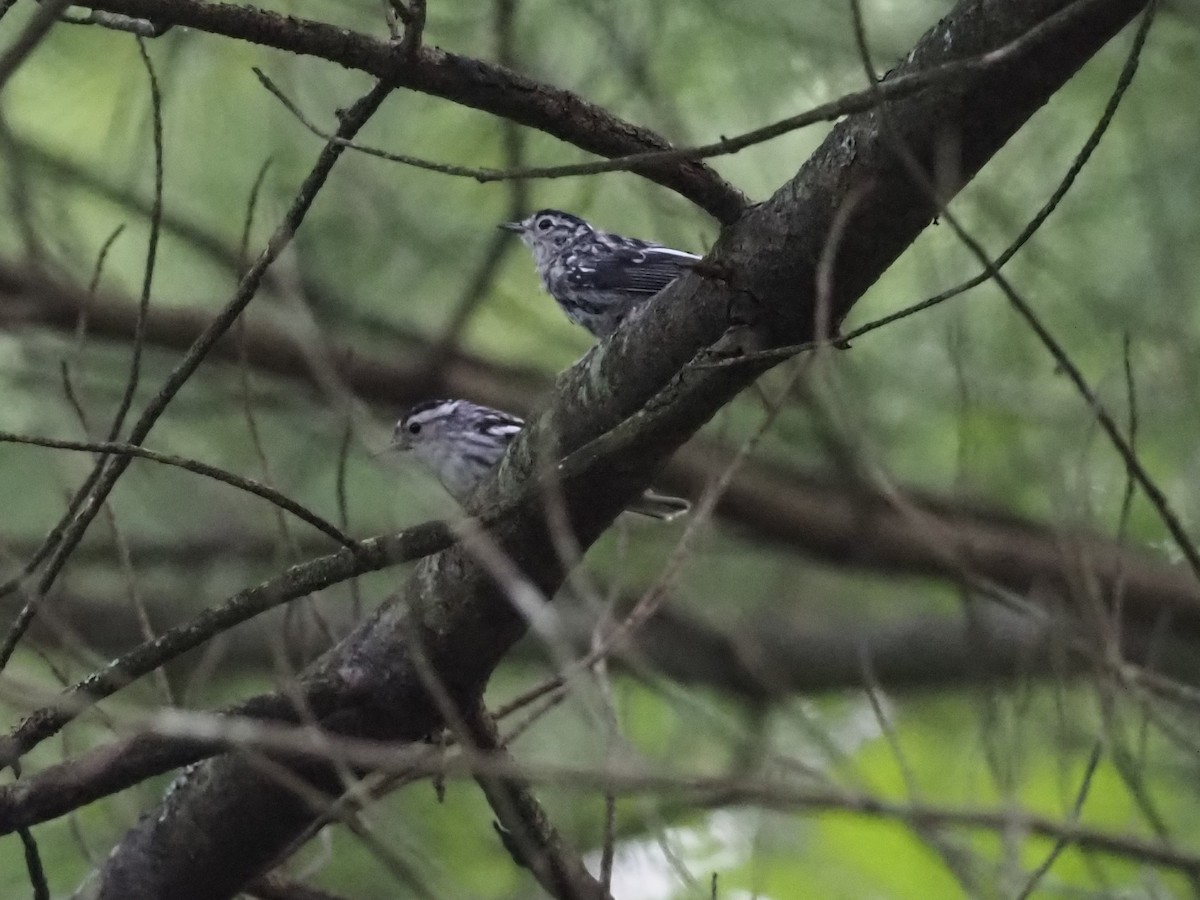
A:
<point x="435" y="412"/>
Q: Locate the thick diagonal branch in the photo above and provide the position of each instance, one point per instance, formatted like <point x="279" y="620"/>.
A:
<point x="619" y="416"/>
<point x="846" y="525"/>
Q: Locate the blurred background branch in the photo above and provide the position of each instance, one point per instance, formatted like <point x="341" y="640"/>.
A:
<point x="930" y="588"/>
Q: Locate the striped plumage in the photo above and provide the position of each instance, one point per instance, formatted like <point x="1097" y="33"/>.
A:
<point x="460" y="442"/>
<point x="596" y="277"/>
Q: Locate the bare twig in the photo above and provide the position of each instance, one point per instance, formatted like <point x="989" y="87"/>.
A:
<point x="143" y="28"/>
<point x="540" y="848"/>
<point x="1124" y="80"/>
<point x="139" y="331"/>
<point x="256" y="442"/>
<point x="343" y="505"/>
<point x="1150" y="488"/>
<point x="33" y="865"/>
<point x="1064" y="842"/>
<point x="33" y="857"/>
<point x="298" y="581"/>
<point x="471" y="82"/>
<point x="104" y="477"/>
<point x="654" y="597"/>
<point x="856" y="102"/>
<point x="124" y="557"/>
<point x="260" y="179"/>
<point x="258" y="489"/>
<point x="207" y="733"/>
<point x="102" y="256"/>
<point x="780" y="504"/>
<point x="513" y="141"/>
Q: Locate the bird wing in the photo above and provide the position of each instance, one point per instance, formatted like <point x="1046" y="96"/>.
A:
<point x="500" y="424"/>
<point x="639" y="270"/>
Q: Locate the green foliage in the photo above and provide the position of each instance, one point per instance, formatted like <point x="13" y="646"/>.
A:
<point x="959" y="400"/>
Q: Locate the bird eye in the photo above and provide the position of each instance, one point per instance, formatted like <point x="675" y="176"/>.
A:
<point x="544" y="224"/>
<point x="414" y="427"/>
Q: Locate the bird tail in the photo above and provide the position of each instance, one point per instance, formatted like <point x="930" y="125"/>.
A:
<point x="660" y="506"/>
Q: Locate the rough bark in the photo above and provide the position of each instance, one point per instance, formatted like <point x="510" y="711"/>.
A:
<point x="844" y="524"/>
<point x="222" y="824"/>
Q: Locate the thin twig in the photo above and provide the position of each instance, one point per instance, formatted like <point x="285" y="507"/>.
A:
<point x="117" y="22"/>
<point x="256" y="187"/>
<point x="102" y="257"/>
<point x="1076" y="809"/>
<point x="124" y="557"/>
<point x="33" y="865"/>
<point x="81" y="320"/>
<point x="343" y="506"/>
<point x="848" y="104"/>
<point x="208" y="733"/>
<point x="1118" y="586"/>
<point x="104" y="477"/>
<point x="372" y="555"/>
<point x="248" y="485"/>
<point x="1124" y="80"/>
<point x="1150" y="488"/>
<point x="380" y="784"/>
<point x="528" y="832"/>
<point x="244" y="384"/>
<point x="139" y="330"/>
<point x="653" y="598"/>
<point x="125" y="561"/>
<point x="320" y="804"/>
<point x="468" y="81"/>
<point x="33" y="857"/>
<point x="512" y="140"/>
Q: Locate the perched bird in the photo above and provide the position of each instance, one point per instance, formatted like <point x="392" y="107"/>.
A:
<point x="461" y="442"/>
<point x="596" y="277"/>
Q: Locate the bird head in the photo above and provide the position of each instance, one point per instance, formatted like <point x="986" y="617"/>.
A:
<point x="547" y="231"/>
<point x="425" y="425"/>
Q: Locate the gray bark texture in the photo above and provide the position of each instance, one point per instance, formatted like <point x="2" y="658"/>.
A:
<point x="629" y="405"/>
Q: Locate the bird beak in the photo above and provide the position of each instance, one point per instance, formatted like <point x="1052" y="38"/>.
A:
<point x="398" y="442"/>
<point x="518" y="227"/>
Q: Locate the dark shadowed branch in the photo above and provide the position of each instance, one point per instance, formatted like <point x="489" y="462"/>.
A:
<point x="470" y="82"/>
<point x="299" y="743"/>
<point x="524" y="825"/>
<point x="89" y="498"/>
<point x="638" y="393"/>
<point x="816" y="514"/>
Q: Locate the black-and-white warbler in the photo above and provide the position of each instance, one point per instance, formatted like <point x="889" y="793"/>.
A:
<point x="461" y="442"/>
<point x="596" y="277"/>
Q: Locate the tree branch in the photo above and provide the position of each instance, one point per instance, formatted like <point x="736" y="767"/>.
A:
<point x="461" y="79"/>
<point x="617" y="417"/>
<point x="524" y="826"/>
<point x="771" y="655"/>
<point x="370" y="555"/>
<point x="699" y="791"/>
<point x="845" y="525"/>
